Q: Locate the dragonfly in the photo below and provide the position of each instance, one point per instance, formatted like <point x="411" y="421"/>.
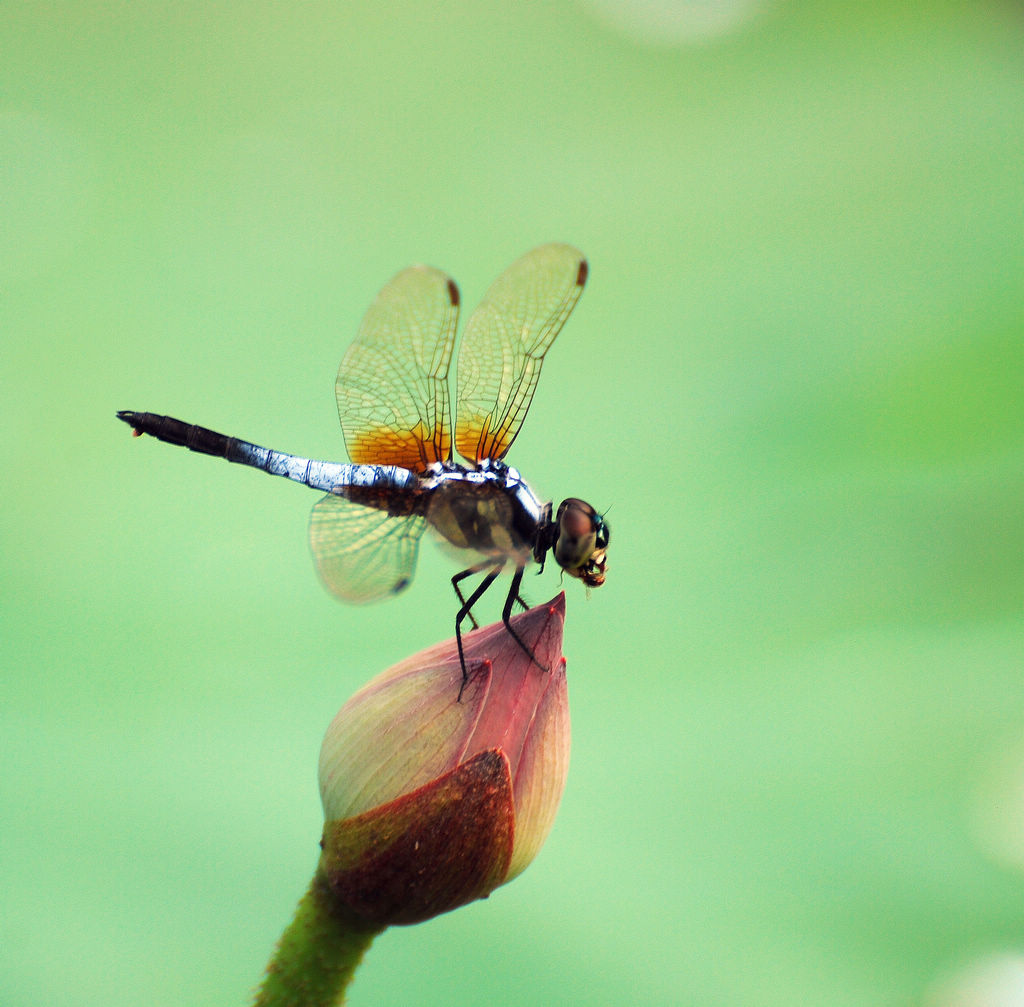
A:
<point x="393" y="398"/>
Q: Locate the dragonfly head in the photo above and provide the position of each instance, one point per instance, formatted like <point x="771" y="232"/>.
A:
<point x="581" y="541"/>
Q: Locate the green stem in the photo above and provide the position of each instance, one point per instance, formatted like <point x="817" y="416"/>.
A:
<point x="318" y="953"/>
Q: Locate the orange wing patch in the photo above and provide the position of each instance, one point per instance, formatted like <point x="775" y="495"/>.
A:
<point x="410" y="449"/>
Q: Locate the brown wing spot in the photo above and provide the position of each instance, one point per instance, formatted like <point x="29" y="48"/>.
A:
<point x="453" y="293"/>
<point x="581" y="275"/>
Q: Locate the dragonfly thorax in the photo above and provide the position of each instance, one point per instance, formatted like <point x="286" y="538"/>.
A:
<point x="489" y="509"/>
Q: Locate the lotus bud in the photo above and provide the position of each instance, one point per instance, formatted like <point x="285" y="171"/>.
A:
<point x="432" y="801"/>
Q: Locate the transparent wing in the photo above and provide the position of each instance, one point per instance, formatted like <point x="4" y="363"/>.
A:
<point x="504" y="344"/>
<point x="361" y="553"/>
<point x="392" y="385"/>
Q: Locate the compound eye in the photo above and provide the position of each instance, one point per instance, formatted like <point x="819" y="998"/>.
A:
<point x="578" y="527"/>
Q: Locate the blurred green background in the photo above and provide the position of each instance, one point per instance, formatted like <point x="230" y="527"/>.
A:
<point x="794" y="380"/>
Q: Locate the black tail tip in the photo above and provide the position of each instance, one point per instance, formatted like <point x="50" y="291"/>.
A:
<point x="132" y="419"/>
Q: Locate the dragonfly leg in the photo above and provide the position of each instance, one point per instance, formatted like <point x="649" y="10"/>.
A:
<point x="466" y="609"/>
<point x="506" y="615"/>
<point x="462" y="575"/>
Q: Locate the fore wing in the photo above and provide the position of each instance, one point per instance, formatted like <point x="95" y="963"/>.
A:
<point x="504" y="345"/>
<point x="392" y="385"/>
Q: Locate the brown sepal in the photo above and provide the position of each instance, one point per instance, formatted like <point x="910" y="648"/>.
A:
<point x="429" y="851"/>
